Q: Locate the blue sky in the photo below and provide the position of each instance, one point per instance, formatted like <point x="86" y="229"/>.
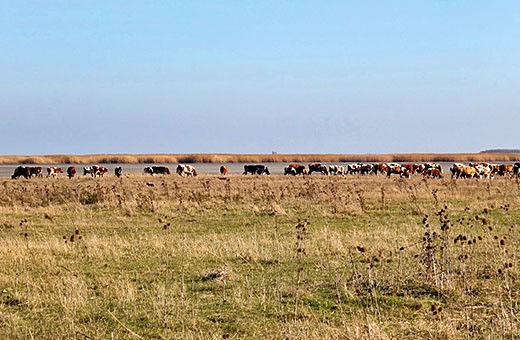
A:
<point x="259" y="76"/>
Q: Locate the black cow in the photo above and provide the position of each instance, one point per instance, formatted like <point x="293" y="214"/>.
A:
<point x="256" y="169"/>
<point x="154" y="170"/>
<point x="21" y="171"/>
<point x="118" y="171"/>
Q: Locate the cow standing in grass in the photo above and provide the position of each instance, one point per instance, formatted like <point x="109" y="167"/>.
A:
<point x="21" y="171"/>
<point x="223" y="170"/>
<point x="186" y="169"/>
<point x="256" y="169"/>
<point x="71" y="172"/>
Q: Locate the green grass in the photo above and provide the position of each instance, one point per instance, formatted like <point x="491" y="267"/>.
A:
<point x="206" y="258"/>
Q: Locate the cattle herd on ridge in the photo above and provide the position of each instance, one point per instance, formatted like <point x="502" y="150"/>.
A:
<point x="405" y="170"/>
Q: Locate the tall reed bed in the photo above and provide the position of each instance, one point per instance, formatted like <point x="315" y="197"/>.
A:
<point x="257" y="158"/>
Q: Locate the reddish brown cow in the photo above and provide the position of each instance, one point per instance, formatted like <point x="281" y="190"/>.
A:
<point x="318" y="167"/>
<point x="223" y="170"/>
<point x="71" y="172"/>
<point x="433" y="173"/>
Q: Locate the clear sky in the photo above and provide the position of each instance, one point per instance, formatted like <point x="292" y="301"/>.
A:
<point x="259" y="76"/>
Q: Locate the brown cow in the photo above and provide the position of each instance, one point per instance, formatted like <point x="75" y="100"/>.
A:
<point x="318" y="167"/>
<point x="433" y="173"/>
<point x="71" y="172"/>
<point x="223" y="170"/>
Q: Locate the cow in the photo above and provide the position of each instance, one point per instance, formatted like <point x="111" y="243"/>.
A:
<point x="456" y="170"/>
<point x="516" y="169"/>
<point x="71" y="172"/>
<point x="118" y="171"/>
<point x="318" y="167"/>
<point x="396" y="168"/>
<point x="289" y="170"/>
<point x="418" y="168"/>
<point x="223" y="170"/>
<point x="505" y="169"/>
<point x="87" y="170"/>
<point x="256" y="169"/>
<point x="336" y="170"/>
<point x="381" y="167"/>
<point x="101" y="170"/>
<point x="467" y="171"/>
<point x="299" y="169"/>
<point x="484" y="171"/>
<point x="53" y="171"/>
<point x="157" y="170"/>
<point x="36" y="171"/>
<point x="433" y="173"/>
<point x="366" y="169"/>
<point x="295" y="169"/>
<point x="432" y="165"/>
<point x="21" y="171"/>
<point x="187" y="169"/>
<point x="410" y="167"/>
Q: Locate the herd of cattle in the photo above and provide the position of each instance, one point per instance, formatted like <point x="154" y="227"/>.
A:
<point x="431" y="170"/>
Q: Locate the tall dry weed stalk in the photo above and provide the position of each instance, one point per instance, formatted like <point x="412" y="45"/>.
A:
<point x="301" y="231"/>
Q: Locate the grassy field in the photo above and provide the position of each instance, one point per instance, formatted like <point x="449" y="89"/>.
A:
<point x="311" y="257"/>
<point x="258" y="158"/>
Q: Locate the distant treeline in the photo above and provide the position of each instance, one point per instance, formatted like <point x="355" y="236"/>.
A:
<point x="257" y="158"/>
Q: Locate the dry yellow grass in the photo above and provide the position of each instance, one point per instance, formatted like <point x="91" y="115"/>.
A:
<point x="205" y="257"/>
<point x="256" y="158"/>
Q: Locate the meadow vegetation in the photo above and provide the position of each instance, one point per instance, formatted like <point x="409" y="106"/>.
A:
<point x="259" y="257"/>
<point x="257" y="158"/>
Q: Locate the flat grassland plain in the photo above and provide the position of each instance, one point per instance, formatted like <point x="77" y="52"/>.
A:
<point x="259" y="257"/>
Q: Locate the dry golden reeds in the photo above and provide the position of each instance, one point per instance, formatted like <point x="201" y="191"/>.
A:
<point x="257" y="158"/>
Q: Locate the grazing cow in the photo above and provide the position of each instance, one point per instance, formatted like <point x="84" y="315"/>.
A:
<point x="95" y="170"/>
<point x="469" y="172"/>
<point x="256" y="169"/>
<point x="505" y="169"/>
<point x="382" y="168"/>
<point x="484" y="171"/>
<point x="336" y="170"/>
<point x="366" y="169"/>
<point x="396" y="168"/>
<point x="36" y="171"/>
<point x="432" y="165"/>
<point x="223" y="170"/>
<point x="118" y="171"/>
<point x="299" y="169"/>
<point x="186" y="169"/>
<point x="87" y="170"/>
<point x="410" y="167"/>
<point x="101" y="170"/>
<point x="157" y="170"/>
<point x="289" y="170"/>
<point x="516" y="169"/>
<point x="418" y="168"/>
<point x="456" y="170"/>
<point x="21" y="171"/>
<point x="318" y="167"/>
<point x="71" y="172"/>
<point x="53" y="171"/>
<point x="433" y="173"/>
